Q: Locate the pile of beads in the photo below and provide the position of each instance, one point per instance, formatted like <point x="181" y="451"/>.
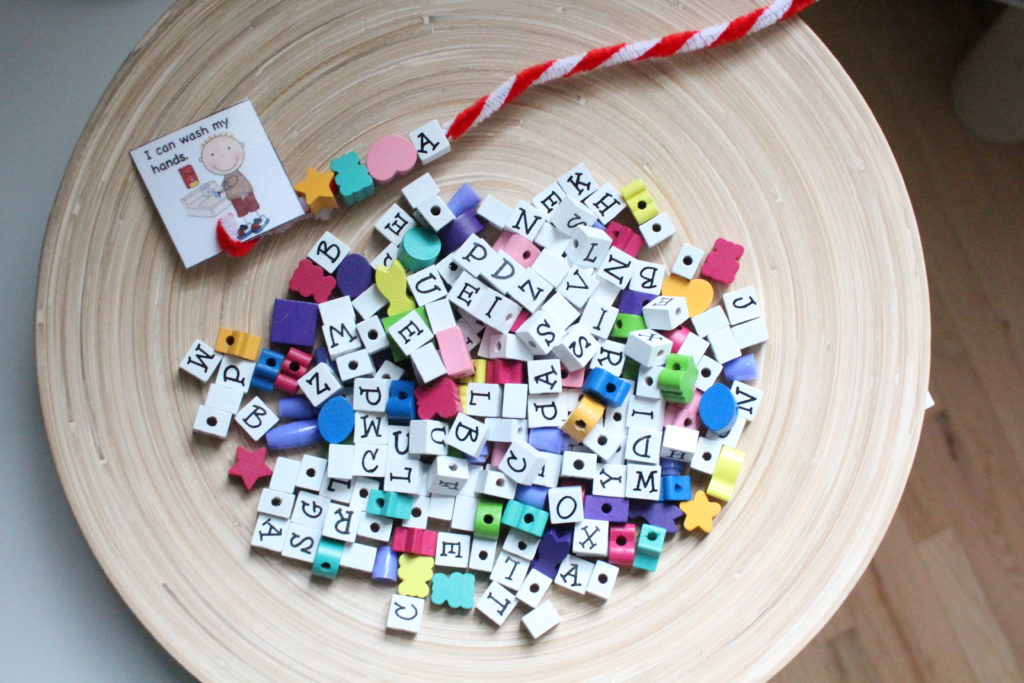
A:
<point x="528" y="408"/>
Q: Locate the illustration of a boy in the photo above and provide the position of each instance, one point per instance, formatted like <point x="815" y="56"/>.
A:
<point x="223" y="154"/>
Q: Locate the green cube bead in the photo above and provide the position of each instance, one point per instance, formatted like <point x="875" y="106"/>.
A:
<point x="525" y="518"/>
<point x="677" y="380"/>
<point x="626" y="323"/>
<point x="328" y="558"/>
<point x="630" y="369"/>
<point x="389" y="504"/>
<point x="488" y="518"/>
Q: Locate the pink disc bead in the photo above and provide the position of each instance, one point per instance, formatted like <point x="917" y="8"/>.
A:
<point x="389" y="156"/>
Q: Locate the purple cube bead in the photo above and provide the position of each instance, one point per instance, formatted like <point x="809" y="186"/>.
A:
<point x="603" y="507"/>
<point x="294" y="323"/>
<point x="632" y="302"/>
<point x="458" y="231"/>
<point x="385" y="565"/>
<point x="295" y="408"/>
<point x="533" y="495"/>
<point x="465" y="199"/>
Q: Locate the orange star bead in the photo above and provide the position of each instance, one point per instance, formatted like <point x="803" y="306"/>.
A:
<point x="316" y="188"/>
<point x="250" y="466"/>
<point x="699" y="512"/>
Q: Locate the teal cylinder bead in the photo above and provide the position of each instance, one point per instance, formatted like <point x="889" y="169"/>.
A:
<point x="420" y="248"/>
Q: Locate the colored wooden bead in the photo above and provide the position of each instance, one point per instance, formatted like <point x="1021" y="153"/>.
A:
<point x="625" y="238"/>
<point x="267" y="368"/>
<point x="698" y="293"/>
<point x="390" y="156"/>
<point x="526" y="518"/>
<point x="250" y="466"/>
<point x="327" y="561"/>
<point x="353" y="181"/>
<point x="521" y="250"/>
<point x="606" y="387"/>
<point x="741" y="369"/>
<point x="455" y="234"/>
<point x="293" y="435"/>
<point x="502" y="371"/>
<point x="389" y="504"/>
<point x="385" y="565"/>
<point x="401" y="403"/>
<point x="464" y="199"/>
<point x="451" y="344"/>
<point x="455" y="590"/>
<point x="316" y="190"/>
<point x="335" y="420"/>
<point x="554" y="546"/>
<point x="633" y="302"/>
<point x="587" y="414"/>
<point x="237" y="343"/>
<point x="624" y="324"/>
<point x="639" y="201"/>
<point x="649" y="545"/>
<point x="606" y="508"/>
<point x="718" y="409"/>
<point x="723" y="261"/>
<point x="414" y="541"/>
<point x="488" y="518"/>
<point x="392" y="283"/>
<point x="700" y="513"/>
<point x="310" y="280"/>
<point x="621" y="544"/>
<point x="677" y="380"/>
<point x="414" y="573"/>
<point x="727" y="471"/>
<point x="439" y="399"/>
<point x="420" y="248"/>
<point x="293" y="323"/>
<point x="294" y="366"/>
<point x="354" y="275"/>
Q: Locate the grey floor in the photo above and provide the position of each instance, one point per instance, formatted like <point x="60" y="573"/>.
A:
<point x="62" y="620"/>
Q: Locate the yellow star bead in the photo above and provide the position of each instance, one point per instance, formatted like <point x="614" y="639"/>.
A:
<point x="316" y="188"/>
<point x="699" y="512"/>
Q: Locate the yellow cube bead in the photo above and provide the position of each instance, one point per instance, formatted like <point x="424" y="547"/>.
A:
<point x="238" y="343"/>
<point x="639" y="200"/>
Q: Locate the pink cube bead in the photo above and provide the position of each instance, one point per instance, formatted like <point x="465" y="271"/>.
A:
<point x="573" y="380"/>
<point x="454" y="354"/>
<point x="677" y="336"/>
<point x="501" y="240"/>
<point x="688" y="415"/>
<point x="502" y="371"/>
<point x="414" y="541"/>
<point x="625" y="238"/>
<point x="520" y="249"/>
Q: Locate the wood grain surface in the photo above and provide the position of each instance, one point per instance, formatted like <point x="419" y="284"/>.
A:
<point x="766" y="142"/>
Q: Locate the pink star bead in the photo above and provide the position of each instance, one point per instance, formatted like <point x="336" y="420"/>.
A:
<point x="250" y="466"/>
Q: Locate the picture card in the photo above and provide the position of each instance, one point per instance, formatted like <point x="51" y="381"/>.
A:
<point x="220" y="168"/>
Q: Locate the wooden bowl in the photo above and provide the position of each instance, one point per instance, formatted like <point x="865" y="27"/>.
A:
<point x="765" y="142"/>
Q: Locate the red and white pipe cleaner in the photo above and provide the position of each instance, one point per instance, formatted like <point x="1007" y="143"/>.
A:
<point x="600" y="57"/>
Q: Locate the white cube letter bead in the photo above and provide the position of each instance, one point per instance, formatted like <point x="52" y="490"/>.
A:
<point x="678" y="441"/>
<point x="286" y="473"/>
<point x="402" y="475"/>
<point x="370" y="395"/>
<point x="370" y="428"/>
<point x="574" y="574"/>
<point x="200" y="361"/>
<point x="706" y="456"/>
<point x="694" y="347"/>
<point x="643" y="445"/>
<point x="565" y="504"/>
<point x="337" y="491"/>
<point x="369" y="303"/>
<point x="256" y="418"/>
<point x="708" y="371"/>
<point x="328" y="252"/>
<point x="504" y="430"/>
<point x="544" y="411"/>
<point x="359" y="556"/>
<point x="549" y="471"/>
<point x="578" y="286"/>
<point x="483" y="553"/>
<point x="598" y="319"/>
<point x="427" y="363"/>
<point x="513" y="401"/>
<point x="212" y="421"/>
<point x="647" y="277"/>
<point x="551" y="240"/>
<point x="339" y="326"/>
<point x="534" y="587"/>
<point x="341" y="461"/>
<point x="494" y="211"/>
<point x="353" y="365"/>
<point x="541" y="620"/>
<point x="372" y="336"/>
<point x="510" y="570"/>
<point x="498" y="485"/>
<point x="312" y="470"/>
<point x="590" y="538"/>
<point x="748" y="399"/>
<point x="604" y="442"/>
<point x="732" y="439"/>
<point x="236" y="372"/>
<point x="550" y="266"/>
<point x="439" y="313"/>
<point x="605" y="293"/>
<point x="374" y="528"/>
<point x="579" y="465"/>
<point x="386" y="257"/>
<point x="405" y="613"/>
<point x="657" y="230"/>
<point x="269" y="533"/>
<point x="578" y="183"/>
<point x="467" y="435"/>
<point x="530" y="289"/>
<point x="319" y="384"/>
<point x="452" y="550"/>
<point x="602" y="580"/>
<point x="688" y="261"/>
<point x="547" y="199"/>
<point x="464" y="514"/>
<point x="410" y="332"/>
<point x="611" y="357"/>
<point x="665" y="312"/>
<point x="569" y="216"/>
<point x="643" y="482"/>
<point x="426" y="286"/>
<point x="361" y="487"/>
<point x="606" y="202"/>
<point x="276" y="504"/>
<point x="544" y="376"/>
<point x="501" y="271"/>
<point x="610" y="481"/>
<point x="483" y="400"/>
<point x="342" y="522"/>
<point x="300" y="542"/>
<point x="647" y="381"/>
<point x="540" y="333"/>
<point x="723" y="345"/>
<point x="709" y="321"/>
<point x="394" y="224"/>
<point x="742" y="305"/>
<point x="522" y="462"/>
<point x="617" y="268"/>
<point x="419" y="189"/>
<point x="647" y="347"/>
<point x="370" y="460"/>
<point x="430" y="142"/>
<point x="588" y="247"/>
<point x="521" y="544"/>
<point x="577" y="347"/>
<point x="750" y="333"/>
<point x="389" y="370"/>
<point x="310" y="509"/>
<point x="448" y="269"/>
<point x="448" y="475"/>
<point x="525" y="219"/>
<point x="426" y="437"/>
<point x="496" y="603"/>
<point x="495" y="311"/>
